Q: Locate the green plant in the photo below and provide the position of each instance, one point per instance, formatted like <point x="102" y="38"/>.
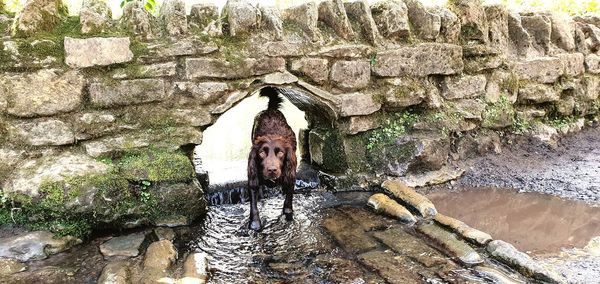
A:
<point x="520" y="125"/>
<point x="396" y="125"/>
<point x="149" y="5"/>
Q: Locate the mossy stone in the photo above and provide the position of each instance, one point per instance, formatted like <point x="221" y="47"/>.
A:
<point x="157" y="166"/>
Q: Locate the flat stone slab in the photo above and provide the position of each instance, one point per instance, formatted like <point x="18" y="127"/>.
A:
<point x="542" y="70"/>
<point x="11" y="266"/>
<point x="116" y="272"/>
<point x="350" y="236"/>
<point x="520" y="261"/>
<point x="473" y="235"/>
<point x="97" y="51"/>
<point x="367" y="220"/>
<point x="128" y="92"/>
<point x="457" y="248"/>
<point x="391" y="267"/>
<point x="123" y="246"/>
<point x="410" y="246"/>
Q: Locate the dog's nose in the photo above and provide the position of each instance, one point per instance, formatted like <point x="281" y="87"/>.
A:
<point x="272" y="170"/>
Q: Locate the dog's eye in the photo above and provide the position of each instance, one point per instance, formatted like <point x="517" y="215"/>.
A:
<point x="262" y="154"/>
<point x="280" y="154"/>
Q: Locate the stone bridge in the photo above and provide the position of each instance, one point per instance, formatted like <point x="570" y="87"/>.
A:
<point x="98" y="116"/>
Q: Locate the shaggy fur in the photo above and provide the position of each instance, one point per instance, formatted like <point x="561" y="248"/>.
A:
<point x="272" y="158"/>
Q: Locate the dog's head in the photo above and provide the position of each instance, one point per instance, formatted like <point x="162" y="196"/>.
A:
<point x="272" y="157"/>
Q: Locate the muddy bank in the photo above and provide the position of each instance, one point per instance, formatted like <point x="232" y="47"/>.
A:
<point x="571" y="171"/>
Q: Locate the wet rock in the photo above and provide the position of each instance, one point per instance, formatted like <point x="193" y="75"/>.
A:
<point x="360" y="12"/>
<point x="357" y="104"/>
<point x="39" y="16"/>
<point x="317" y="69"/>
<point x="367" y="220"/>
<point x="562" y="31"/>
<point x="127" y="92"/>
<point x="28" y="178"/>
<point x="173" y="17"/>
<point x="95" y="17"/>
<point x="97" y="51"/>
<point x="419" y="60"/>
<point x="464" y="230"/>
<point x="163" y="233"/>
<point x="279" y="78"/>
<point x="43" y="93"/>
<point x="271" y="22"/>
<point x="344" y="51"/>
<point x="592" y="63"/>
<point x="351" y="75"/>
<point x="448" y="241"/>
<point x="542" y="70"/>
<point x="128" y="245"/>
<point x="137" y="20"/>
<point x="382" y="203"/>
<point x="215" y="68"/>
<point x="116" y="272"/>
<point x="195" y="268"/>
<point x="205" y="17"/>
<point x="341" y="270"/>
<point x="410" y="246"/>
<point x="241" y="17"/>
<point x="404" y="92"/>
<point x="10" y="266"/>
<point x="392" y="268"/>
<point x="443" y="175"/>
<point x="519" y="37"/>
<point x="408" y="195"/>
<point x="349" y="236"/>
<point x="327" y="150"/>
<point x="159" y="257"/>
<point x="573" y="63"/>
<point x="305" y="17"/>
<point x="391" y="19"/>
<point x="425" y="25"/>
<point x="538" y="93"/>
<point x="449" y="25"/>
<point x="172" y="221"/>
<point x="496" y="275"/>
<point x="463" y="87"/>
<point x="507" y="254"/>
<point x="333" y="13"/>
<point x="35" y="245"/>
<point x="50" y="132"/>
<point x="539" y="27"/>
<point x="497" y="17"/>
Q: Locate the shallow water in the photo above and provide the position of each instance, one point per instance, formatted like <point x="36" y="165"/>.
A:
<point x="533" y="222"/>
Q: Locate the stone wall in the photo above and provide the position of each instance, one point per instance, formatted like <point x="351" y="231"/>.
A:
<point x="94" y="109"/>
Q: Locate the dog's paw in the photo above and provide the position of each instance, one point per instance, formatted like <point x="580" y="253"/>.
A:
<point x="288" y="213"/>
<point x="255" y="225"/>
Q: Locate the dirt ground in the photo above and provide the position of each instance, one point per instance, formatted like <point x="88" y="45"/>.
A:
<point x="572" y="170"/>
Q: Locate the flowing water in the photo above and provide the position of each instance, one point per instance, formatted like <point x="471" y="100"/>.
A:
<point x="533" y="222"/>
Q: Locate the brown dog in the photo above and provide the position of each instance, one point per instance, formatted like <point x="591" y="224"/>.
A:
<point x="272" y="158"/>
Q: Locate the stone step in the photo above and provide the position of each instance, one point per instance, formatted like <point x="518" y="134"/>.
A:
<point x="457" y="248"/>
<point x="410" y="196"/>
<point x="497" y="276"/>
<point x="348" y="234"/>
<point x="459" y="227"/>
<point x="383" y="204"/>
<point x="391" y="267"/>
<point x="522" y="262"/>
<point x="366" y="219"/>
<point x="410" y="246"/>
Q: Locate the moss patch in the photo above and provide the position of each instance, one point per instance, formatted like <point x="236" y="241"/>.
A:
<point x="157" y="166"/>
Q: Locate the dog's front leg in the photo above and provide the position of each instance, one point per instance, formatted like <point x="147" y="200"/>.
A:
<point x="254" y="216"/>
<point x="288" y="211"/>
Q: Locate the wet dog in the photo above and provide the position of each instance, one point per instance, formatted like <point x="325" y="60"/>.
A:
<point x="272" y="159"/>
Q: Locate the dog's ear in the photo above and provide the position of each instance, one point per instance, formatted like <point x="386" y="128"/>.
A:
<point x="253" y="168"/>
<point x="289" y="168"/>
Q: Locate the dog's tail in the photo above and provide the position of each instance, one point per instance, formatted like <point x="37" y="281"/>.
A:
<point x="275" y="99"/>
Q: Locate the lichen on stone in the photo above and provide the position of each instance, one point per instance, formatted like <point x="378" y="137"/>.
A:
<point x="157" y="166"/>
